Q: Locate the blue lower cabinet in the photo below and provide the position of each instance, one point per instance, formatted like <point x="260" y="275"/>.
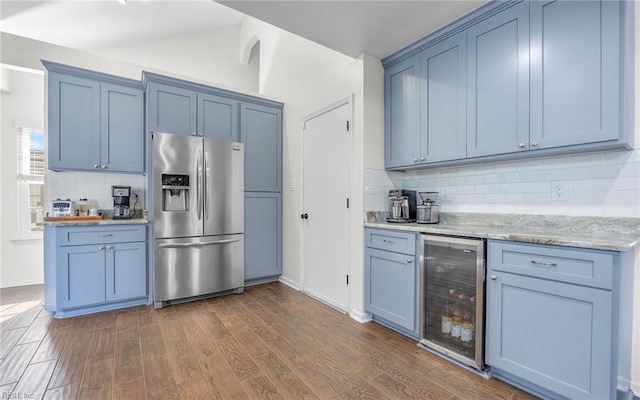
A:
<point x="262" y="236"/>
<point x="390" y="290"/>
<point x="83" y="277"/>
<point x="553" y="337"/>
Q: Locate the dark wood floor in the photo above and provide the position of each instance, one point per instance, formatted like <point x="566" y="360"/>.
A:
<point x="270" y="342"/>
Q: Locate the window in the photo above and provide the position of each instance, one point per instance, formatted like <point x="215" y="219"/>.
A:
<point x="31" y="165"/>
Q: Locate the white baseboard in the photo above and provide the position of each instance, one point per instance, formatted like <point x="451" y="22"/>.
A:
<point x="359" y="316"/>
<point x="635" y="388"/>
<point x="292" y="284"/>
<point x="23" y="283"/>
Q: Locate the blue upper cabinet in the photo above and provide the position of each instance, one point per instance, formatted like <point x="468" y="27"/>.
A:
<point x="402" y="113"/>
<point x="443" y="130"/>
<point x="261" y="132"/>
<point x="540" y="78"/>
<point x="217" y="117"/>
<point x="498" y="112"/>
<point x="122" y="126"/>
<point x="171" y="109"/>
<point x="574" y="72"/>
<point x="74" y="122"/>
<point x="96" y="121"/>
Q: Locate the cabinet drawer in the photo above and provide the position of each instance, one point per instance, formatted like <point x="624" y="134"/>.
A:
<point x="79" y="235"/>
<point x="398" y="242"/>
<point x="563" y="264"/>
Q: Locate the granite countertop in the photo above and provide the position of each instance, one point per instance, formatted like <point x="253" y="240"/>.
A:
<point x="106" y="221"/>
<point x="617" y="234"/>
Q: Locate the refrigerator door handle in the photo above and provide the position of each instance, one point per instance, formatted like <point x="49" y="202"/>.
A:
<point x="206" y="184"/>
<point x="199" y="244"/>
<point x="199" y="183"/>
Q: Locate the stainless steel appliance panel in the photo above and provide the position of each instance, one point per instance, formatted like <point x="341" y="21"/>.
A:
<point x="177" y="155"/>
<point x="188" y="267"/>
<point x="224" y="187"/>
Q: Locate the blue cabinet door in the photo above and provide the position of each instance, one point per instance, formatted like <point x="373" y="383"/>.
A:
<point x="261" y="132"/>
<point x="262" y="235"/>
<point x="498" y="83"/>
<point x="218" y="117"/>
<point x="443" y="100"/>
<point x="122" y="129"/>
<point x="126" y="271"/>
<point x="74" y="123"/>
<point x="390" y="287"/>
<point x="555" y="335"/>
<point x="81" y="275"/>
<point x="402" y="113"/>
<point x="171" y="109"/>
<point x="575" y="55"/>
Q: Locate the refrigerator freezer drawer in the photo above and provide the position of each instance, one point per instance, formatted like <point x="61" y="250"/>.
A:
<point x="188" y="267"/>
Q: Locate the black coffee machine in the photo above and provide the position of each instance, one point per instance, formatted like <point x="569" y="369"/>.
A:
<point x="121" y="195"/>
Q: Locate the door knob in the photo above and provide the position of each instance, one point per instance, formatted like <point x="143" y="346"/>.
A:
<point x="304" y="216"/>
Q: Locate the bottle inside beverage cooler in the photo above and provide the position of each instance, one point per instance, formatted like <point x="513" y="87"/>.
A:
<point x="456" y="323"/>
<point x="466" y="333"/>
<point x="447" y="314"/>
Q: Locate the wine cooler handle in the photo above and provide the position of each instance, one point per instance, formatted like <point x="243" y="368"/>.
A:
<point x="493" y="277"/>
<point x="544" y="264"/>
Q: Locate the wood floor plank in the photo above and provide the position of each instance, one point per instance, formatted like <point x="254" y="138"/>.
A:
<point x="196" y="389"/>
<point x="183" y="361"/>
<point x="128" y="360"/>
<point x="9" y="338"/>
<point x="103" y="344"/>
<point x="98" y="380"/>
<point x="131" y="389"/>
<point x="392" y="388"/>
<point x="287" y="382"/>
<point x="159" y="382"/>
<point x="37" y="330"/>
<point x="151" y="342"/>
<point x="50" y="348"/>
<point x="33" y="383"/>
<point x="14" y="364"/>
<point x="72" y="361"/>
<point x="69" y="392"/>
<point x="259" y="387"/>
<point x="241" y="362"/>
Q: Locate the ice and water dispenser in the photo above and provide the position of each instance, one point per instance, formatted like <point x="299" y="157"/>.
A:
<point x="175" y="192"/>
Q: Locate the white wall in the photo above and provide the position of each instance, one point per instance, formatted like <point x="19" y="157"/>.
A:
<point x="20" y="260"/>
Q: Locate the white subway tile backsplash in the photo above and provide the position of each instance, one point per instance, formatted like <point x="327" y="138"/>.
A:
<point x="600" y="184"/>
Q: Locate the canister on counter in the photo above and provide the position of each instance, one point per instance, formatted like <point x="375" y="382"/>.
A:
<point x="83" y="207"/>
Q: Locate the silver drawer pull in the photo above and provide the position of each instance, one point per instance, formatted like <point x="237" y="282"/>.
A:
<point x="409" y="261"/>
<point x="101" y="248"/>
<point x="544" y="264"/>
<point x="105" y="234"/>
<point x="388" y="241"/>
<point x="110" y="247"/>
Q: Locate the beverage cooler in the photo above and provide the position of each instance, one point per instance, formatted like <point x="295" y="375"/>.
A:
<point x="452" y="298"/>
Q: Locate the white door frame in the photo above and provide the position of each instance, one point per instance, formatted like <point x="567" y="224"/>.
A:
<point x="348" y="101"/>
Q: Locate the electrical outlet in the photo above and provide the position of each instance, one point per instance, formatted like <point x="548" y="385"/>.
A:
<point x="560" y="191"/>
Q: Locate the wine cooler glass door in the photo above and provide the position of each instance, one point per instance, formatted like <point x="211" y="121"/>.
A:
<point x="452" y="297"/>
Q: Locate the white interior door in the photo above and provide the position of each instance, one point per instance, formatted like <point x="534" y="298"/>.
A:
<point x="325" y="231"/>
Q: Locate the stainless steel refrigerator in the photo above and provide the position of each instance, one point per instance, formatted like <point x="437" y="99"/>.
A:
<point x="198" y="217"/>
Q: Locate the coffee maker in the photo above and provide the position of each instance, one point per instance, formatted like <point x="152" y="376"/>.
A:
<point x="429" y="211"/>
<point x="403" y="205"/>
<point x="121" y="195"/>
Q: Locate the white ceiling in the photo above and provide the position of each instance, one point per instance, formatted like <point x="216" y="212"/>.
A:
<point x="378" y="28"/>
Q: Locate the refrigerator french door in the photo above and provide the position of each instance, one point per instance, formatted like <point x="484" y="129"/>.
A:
<point x="452" y="298"/>
<point x="198" y="216"/>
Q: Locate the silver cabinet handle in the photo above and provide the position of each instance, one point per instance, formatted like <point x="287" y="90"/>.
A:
<point x="101" y="247"/>
<point x="110" y="247"/>
<point x="421" y="158"/>
<point x="521" y="145"/>
<point x="544" y="263"/>
<point x="534" y="143"/>
<point x="194" y="134"/>
<point x="409" y="261"/>
<point x="105" y="234"/>
<point x="96" y="166"/>
<point x="388" y="241"/>
<point x="493" y="277"/>
<point x="415" y="160"/>
<point x="104" y="167"/>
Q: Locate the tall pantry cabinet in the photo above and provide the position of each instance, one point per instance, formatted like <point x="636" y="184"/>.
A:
<point x="182" y="107"/>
